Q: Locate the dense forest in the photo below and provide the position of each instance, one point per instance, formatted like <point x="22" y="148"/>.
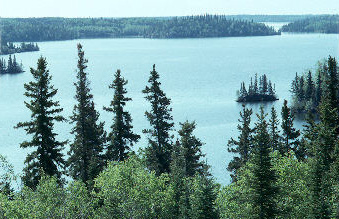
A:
<point x="265" y="91"/>
<point x="11" y="66"/>
<point x="10" y="48"/>
<point x="29" y="29"/>
<point x="277" y="170"/>
<point x="308" y="88"/>
<point x="316" y="24"/>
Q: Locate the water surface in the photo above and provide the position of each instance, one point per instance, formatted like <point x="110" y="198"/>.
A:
<point x="201" y="77"/>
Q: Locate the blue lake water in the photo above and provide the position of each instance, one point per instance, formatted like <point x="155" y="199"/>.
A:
<point x="201" y="77"/>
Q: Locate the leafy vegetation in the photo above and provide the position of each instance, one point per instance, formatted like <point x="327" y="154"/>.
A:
<point x="265" y="91"/>
<point x="12" y="66"/>
<point x="28" y="29"/>
<point x="316" y="24"/>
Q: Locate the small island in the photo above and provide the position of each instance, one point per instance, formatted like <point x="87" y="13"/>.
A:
<point x="10" y="48"/>
<point x="12" y="66"/>
<point x="257" y="93"/>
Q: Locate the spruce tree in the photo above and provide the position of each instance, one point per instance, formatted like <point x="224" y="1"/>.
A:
<point x="324" y="145"/>
<point x="274" y="130"/>
<point x="242" y="146"/>
<point x="158" y="152"/>
<point x="290" y="134"/>
<point x="263" y="184"/>
<point x="121" y="138"/>
<point x="85" y="156"/>
<point x="191" y="148"/>
<point x="47" y="153"/>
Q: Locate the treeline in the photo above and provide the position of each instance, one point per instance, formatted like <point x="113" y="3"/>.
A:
<point x="29" y="29"/>
<point x="308" y="88"/>
<point x="11" y="66"/>
<point x="264" y="92"/>
<point x="317" y="24"/>
<point x="277" y="171"/>
<point x="10" y="48"/>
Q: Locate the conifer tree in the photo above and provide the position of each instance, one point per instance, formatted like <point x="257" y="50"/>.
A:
<point x="121" y="138"/>
<point x="179" y="182"/>
<point x="158" y="152"/>
<point x="309" y="86"/>
<point x="191" y="149"/>
<point x="85" y="155"/>
<point x="263" y="184"/>
<point x="324" y="146"/>
<point x="274" y="130"/>
<point x="242" y="146"/>
<point x="290" y="134"/>
<point x="47" y="153"/>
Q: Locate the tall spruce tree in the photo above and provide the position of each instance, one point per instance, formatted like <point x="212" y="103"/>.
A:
<point x="158" y="152"/>
<point x="47" y="155"/>
<point x="85" y="156"/>
<point x="242" y="146"/>
<point x="324" y="146"/>
<point x="263" y="184"/>
<point x="191" y="146"/>
<point x="121" y="138"/>
<point x="289" y="133"/>
<point x="274" y="130"/>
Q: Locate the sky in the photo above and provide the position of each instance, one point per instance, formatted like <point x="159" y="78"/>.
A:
<point x="151" y="8"/>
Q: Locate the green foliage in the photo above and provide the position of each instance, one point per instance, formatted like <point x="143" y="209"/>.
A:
<point x="234" y="200"/>
<point x="289" y="134"/>
<point x="128" y="190"/>
<point x="47" y="156"/>
<point x="243" y="145"/>
<point x="158" y="152"/>
<point x="307" y="93"/>
<point x="121" y="138"/>
<point x="86" y="160"/>
<point x="315" y="24"/>
<point x="264" y="177"/>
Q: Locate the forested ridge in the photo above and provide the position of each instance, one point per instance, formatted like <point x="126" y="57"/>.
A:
<point x="277" y="170"/>
<point x="316" y="24"/>
<point x="47" y="29"/>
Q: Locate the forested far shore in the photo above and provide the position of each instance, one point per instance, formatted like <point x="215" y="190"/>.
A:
<point x="29" y="29"/>
<point x="317" y="24"/>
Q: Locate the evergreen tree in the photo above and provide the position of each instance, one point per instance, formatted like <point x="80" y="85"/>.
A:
<point x="324" y="146"/>
<point x="290" y="134"/>
<point x="121" y="138"/>
<point x="274" y="130"/>
<point x="332" y="82"/>
<point x="47" y="156"/>
<point x="309" y="86"/>
<point x="191" y="149"/>
<point x="158" y="152"/>
<point x="242" y="146"/>
<point x="179" y="182"/>
<point x="85" y="155"/>
<point x="263" y="184"/>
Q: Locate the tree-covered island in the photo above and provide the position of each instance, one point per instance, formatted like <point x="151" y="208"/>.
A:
<point x="257" y="91"/>
<point x="11" y="66"/>
<point x="10" y="48"/>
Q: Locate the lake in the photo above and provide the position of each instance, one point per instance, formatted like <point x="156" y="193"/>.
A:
<point x="200" y="76"/>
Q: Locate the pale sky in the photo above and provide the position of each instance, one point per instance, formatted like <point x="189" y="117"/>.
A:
<point x="150" y="8"/>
